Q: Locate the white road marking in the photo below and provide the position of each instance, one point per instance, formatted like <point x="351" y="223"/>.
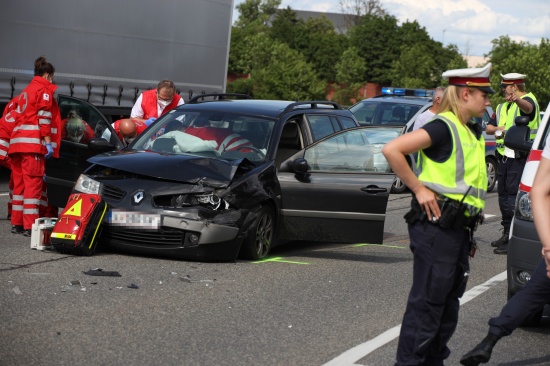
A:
<point x="351" y="356"/>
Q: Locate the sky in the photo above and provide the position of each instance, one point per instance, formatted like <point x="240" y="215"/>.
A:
<point x="469" y="24"/>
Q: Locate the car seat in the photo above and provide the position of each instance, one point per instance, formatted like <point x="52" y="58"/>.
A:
<point x="289" y="144"/>
<point x="398" y="115"/>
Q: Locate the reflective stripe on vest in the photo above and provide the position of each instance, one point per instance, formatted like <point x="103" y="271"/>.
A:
<point x="465" y="167"/>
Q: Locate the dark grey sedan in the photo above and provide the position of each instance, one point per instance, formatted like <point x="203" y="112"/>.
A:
<point x="214" y="179"/>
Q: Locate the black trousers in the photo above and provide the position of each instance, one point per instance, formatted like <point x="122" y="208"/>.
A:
<point x="440" y="273"/>
<point x="509" y="177"/>
<point x="524" y="303"/>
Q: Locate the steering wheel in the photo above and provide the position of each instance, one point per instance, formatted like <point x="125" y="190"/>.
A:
<point x="253" y="148"/>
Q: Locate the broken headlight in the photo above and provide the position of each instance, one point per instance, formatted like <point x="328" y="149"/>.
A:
<point x="211" y="201"/>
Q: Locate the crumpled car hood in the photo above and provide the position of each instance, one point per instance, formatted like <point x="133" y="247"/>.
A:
<point x="184" y="168"/>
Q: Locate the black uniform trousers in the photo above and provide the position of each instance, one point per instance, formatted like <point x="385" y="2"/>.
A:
<point x="509" y="177"/>
<point x="440" y="273"/>
<point x="523" y="304"/>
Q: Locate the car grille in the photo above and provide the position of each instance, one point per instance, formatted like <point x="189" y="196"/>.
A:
<point x="161" y="238"/>
<point x="112" y="193"/>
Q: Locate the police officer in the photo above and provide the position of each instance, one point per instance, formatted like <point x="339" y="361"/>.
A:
<point x="532" y="298"/>
<point x="448" y="199"/>
<point x="518" y="103"/>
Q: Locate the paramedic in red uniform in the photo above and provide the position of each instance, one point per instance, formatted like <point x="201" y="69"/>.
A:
<point x="128" y="129"/>
<point x="152" y="104"/>
<point x="34" y="139"/>
<point x="7" y="123"/>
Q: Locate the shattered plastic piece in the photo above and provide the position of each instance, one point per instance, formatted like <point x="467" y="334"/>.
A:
<point x="188" y="279"/>
<point x="101" y="272"/>
<point x="17" y="290"/>
<point x="133" y="285"/>
<point x="75" y="283"/>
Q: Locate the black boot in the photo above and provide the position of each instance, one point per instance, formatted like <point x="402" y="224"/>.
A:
<point x="481" y="353"/>
<point x="503" y="249"/>
<point x="17" y="229"/>
<point x="502" y="240"/>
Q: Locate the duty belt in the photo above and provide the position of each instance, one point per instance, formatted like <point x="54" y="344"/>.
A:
<point x="454" y="214"/>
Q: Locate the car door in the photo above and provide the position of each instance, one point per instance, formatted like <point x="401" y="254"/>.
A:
<point x="333" y="191"/>
<point x="62" y="173"/>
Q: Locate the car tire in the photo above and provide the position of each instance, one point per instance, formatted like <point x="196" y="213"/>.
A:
<point x="398" y="186"/>
<point x="492" y="167"/>
<point x="257" y="243"/>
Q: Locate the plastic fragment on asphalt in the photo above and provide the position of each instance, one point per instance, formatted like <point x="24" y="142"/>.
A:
<point x="75" y="283"/>
<point x="133" y="285"/>
<point x="17" y="290"/>
<point x="188" y="279"/>
<point x="101" y="272"/>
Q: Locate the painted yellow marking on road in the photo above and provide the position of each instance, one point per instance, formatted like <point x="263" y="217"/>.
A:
<point x="379" y="245"/>
<point x="279" y="259"/>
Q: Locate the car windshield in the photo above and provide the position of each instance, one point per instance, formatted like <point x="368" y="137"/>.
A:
<point x="211" y="134"/>
<point x="378" y="112"/>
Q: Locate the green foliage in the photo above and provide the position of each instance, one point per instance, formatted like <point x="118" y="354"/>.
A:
<point x="290" y="58"/>
<point x="288" y="76"/>
<point x="243" y="86"/>
<point x="377" y="39"/>
<point x="349" y="70"/>
<point x="351" y="67"/>
<point x="256" y="12"/>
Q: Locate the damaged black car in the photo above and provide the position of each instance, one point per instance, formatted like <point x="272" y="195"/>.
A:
<point x="216" y="180"/>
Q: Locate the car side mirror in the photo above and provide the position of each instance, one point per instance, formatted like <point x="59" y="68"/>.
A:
<point x="521" y="121"/>
<point x="300" y="166"/>
<point x="99" y="145"/>
<point x="518" y="137"/>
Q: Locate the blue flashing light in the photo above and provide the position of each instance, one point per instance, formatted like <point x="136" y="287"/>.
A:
<point x="407" y="92"/>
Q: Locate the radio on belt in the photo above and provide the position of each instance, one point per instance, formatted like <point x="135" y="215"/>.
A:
<point x="41" y="232"/>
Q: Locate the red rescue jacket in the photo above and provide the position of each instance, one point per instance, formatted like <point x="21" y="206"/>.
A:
<point x="140" y="127"/>
<point x="38" y="116"/>
<point x="149" y="104"/>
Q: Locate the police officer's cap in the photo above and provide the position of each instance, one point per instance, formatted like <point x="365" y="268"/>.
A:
<point x="477" y="77"/>
<point x="512" y="78"/>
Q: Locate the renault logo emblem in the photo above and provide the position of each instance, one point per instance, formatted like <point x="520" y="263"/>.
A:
<point x="138" y="197"/>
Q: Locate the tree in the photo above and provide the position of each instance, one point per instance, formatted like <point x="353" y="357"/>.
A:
<point x="414" y="68"/>
<point x="288" y="76"/>
<point x="358" y="8"/>
<point x="256" y="11"/>
<point x="378" y="41"/>
<point x="349" y="73"/>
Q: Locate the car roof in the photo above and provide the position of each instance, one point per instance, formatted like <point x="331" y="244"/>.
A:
<point x="261" y="107"/>
<point x="398" y="99"/>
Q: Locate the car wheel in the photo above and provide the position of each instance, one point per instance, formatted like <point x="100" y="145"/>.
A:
<point x="492" y="167"/>
<point x="260" y="236"/>
<point x="398" y="186"/>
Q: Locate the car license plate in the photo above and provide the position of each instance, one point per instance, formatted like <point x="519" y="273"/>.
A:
<point x="134" y="219"/>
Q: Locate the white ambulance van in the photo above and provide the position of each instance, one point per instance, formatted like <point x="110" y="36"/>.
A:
<point x="524" y="245"/>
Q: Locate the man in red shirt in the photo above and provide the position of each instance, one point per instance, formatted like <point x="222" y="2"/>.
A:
<point x="128" y="129"/>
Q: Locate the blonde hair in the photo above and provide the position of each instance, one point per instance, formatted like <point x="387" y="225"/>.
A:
<point x="452" y="102"/>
